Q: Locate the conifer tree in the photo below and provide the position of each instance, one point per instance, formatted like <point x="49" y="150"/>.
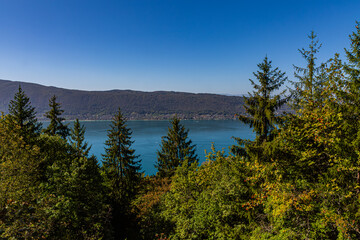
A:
<point x="351" y="106"/>
<point x="262" y="104"/>
<point x="77" y="139"/>
<point x="22" y="114"/>
<point x="175" y="148"/>
<point x="311" y="77"/>
<point x="352" y="69"/>
<point x="56" y="126"/>
<point x="122" y="173"/>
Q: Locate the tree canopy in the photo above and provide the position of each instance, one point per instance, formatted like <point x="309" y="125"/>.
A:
<point x="122" y="172"/>
<point x="175" y="149"/>
<point x="22" y="114"/>
<point x="56" y="126"/>
<point x="299" y="178"/>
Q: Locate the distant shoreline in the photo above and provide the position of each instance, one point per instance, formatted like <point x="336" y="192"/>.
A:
<point x="133" y="120"/>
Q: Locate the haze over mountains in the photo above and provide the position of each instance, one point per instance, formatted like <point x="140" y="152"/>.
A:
<point x="101" y="105"/>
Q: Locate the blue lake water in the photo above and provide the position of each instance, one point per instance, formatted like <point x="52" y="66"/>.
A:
<point x="147" y="136"/>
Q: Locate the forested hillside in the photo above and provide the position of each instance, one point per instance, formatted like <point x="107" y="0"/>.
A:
<point x="102" y="105"/>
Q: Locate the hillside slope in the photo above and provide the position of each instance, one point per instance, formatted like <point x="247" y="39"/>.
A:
<point x="101" y="105"/>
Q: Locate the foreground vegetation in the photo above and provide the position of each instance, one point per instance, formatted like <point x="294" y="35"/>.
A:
<point x="299" y="179"/>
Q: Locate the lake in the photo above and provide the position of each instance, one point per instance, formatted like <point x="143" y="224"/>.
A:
<point x="147" y="136"/>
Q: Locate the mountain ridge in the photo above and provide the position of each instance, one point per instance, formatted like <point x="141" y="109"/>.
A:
<point x="135" y="105"/>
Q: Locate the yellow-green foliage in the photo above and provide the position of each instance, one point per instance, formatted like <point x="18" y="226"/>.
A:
<point x="19" y="179"/>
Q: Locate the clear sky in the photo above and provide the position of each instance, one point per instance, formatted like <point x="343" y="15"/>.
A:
<point x="179" y="45"/>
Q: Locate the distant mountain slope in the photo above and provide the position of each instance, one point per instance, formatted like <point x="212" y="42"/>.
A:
<point x="101" y="105"/>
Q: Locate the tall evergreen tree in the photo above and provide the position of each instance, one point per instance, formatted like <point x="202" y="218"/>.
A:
<point x="175" y="148"/>
<point x="310" y="78"/>
<point x="261" y="106"/>
<point x="22" y="114"/>
<point x="122" y="173"/>
<point x="352" y="69"/>
<point x="56" y="126"/>
<point x="77" y="139"/>
<point x="351" y="106"/>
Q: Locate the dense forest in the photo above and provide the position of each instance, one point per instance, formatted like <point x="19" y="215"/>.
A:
<point x="299" y="178"/>
<point x="135" y="105"/>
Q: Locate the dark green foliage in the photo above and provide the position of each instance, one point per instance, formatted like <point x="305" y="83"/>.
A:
<point x="121" y="171"/>
<point x="77" y="139"/>
<point x="352" y="69"/>
<point x="262" y="104"/>
<point x="120" y="164"/>
<point x="21" y="113"/>
<point x="79" y="211"/>
<point x="353" y="56"/>
<point x="261" y="108"/>
<point x="310" y="78"/>
<point x="56" y="126"/>
<point x="175" y="148"/>
<point x="47" y="193"/>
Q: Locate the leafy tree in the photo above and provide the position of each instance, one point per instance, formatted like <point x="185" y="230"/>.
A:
<point x="175" y="148"/>
<point x="80" y="210"/>
<point x="77" y="139"/>
<point x="20" y="206"/>
<point x="21" y="113"/>
<point x="150" y="204"/>
<point x="217" y="200"/>
<point x="310" y="155"/>
<point x="122" y="174"/>
<point x="56" y="126"/>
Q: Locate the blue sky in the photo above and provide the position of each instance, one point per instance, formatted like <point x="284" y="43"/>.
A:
<point x="177" y="45"/>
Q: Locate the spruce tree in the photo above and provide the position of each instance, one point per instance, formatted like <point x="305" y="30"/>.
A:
<point x="261" y="106"/>
<point x="352" y="69"/>
<point x="351" y="107"/>
<point x="310" y="78"/>
<point x="22" y="114"/>
<point x="77" y="139"/>
<point x="122" y="173"/>
<point x="56" y="126"/>
<point x="175" y="148"/>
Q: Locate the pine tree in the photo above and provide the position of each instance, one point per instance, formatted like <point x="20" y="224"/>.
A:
<point x="121" y="171"/>
<point x="56" y="127"/>
<point x="77" y="139"/>
<point x="261" y="106"/>
<point x="22" y="114"/>
<point x="175" y="148"/>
